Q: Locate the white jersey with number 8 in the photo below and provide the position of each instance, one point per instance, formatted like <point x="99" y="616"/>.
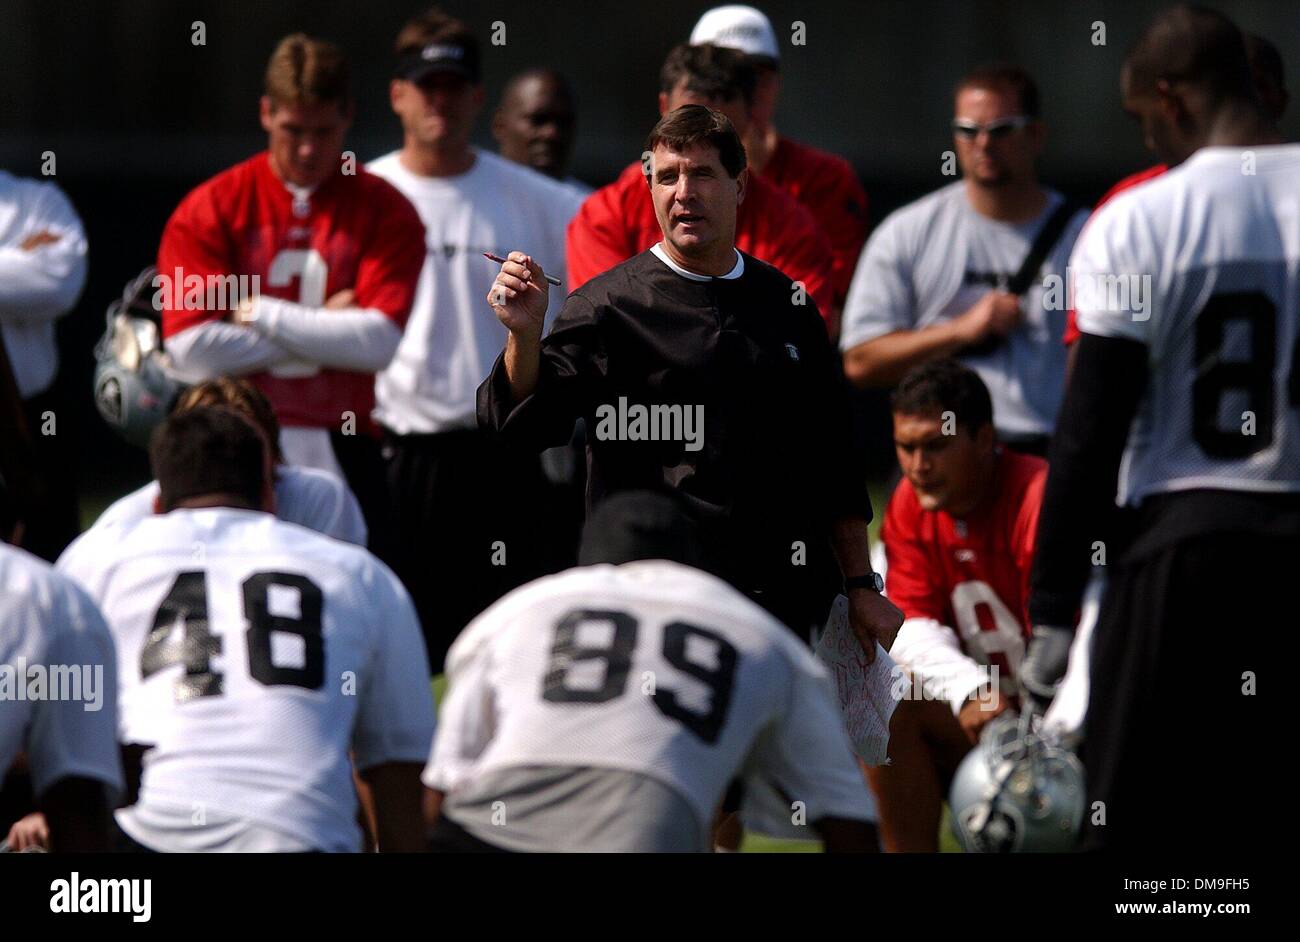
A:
<point x="1202" y="266"/>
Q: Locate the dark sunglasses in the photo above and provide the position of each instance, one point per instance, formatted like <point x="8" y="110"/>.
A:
<point x="997" y="130"/>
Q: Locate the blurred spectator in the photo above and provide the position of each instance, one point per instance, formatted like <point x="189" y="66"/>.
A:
<point x="823" y="182"/>
<point x="42" y="271"/>
<point x="535" y="122"/>
<point x="331" y="253"/>
<point x="465" y="508"/>
<point x="618" y="221"/>
<point x="956" y="272"/>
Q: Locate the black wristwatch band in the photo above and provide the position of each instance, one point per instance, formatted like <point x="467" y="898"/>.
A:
<point x="871" y="580"/>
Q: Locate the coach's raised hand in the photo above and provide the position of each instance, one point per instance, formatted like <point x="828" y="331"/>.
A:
<point x="519" y="296"/>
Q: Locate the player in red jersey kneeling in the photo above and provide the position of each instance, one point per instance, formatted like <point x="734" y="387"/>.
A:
<point x="959" y="539"/>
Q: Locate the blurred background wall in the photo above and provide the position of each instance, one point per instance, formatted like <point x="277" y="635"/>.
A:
<point x="136" y="114"/>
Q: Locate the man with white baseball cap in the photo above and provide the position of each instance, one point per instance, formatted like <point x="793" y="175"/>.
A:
<point x="823" y="182"/>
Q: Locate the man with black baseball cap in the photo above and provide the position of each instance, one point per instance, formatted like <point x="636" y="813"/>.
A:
<point x="452" y="55"/>
<point x="446" y="480"/>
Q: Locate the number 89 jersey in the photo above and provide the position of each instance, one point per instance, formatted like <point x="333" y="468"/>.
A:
<point x="252" y="655"/>
<point x="651" y="668"/>
<point x="1202" y="266"/>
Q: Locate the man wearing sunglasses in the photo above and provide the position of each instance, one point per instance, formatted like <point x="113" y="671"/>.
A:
<point x="964" y="271"/>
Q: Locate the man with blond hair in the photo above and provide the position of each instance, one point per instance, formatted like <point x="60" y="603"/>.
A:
<point x="335" y="253"/>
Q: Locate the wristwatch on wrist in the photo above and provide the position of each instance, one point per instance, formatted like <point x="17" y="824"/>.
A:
<point x="872" y="580"/>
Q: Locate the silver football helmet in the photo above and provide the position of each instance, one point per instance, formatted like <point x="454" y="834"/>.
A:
<point x="1017" y="791"/>
<point x="134" y="390"/>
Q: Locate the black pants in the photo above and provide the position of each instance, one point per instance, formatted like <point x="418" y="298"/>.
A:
<point x="465" y="527"/>
<point x="362" y="464"/>
<point x="53" y="519"/>
<point x="1176" y="747"/>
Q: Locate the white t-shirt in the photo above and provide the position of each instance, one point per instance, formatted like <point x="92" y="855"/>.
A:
<point x="309" y="497"/>
<point x="58" y="677"/>
<point x="453" y="336"/>
<point x="37" y="285"/>
<point x="252" y="655"/>
<point x="933" y="259"/>
<point x="1214" y="248"/>
<point x="649" y="668"/>
<point x="577" y="186"/>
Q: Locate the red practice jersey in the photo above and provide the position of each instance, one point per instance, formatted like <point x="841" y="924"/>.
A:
<point x="356" y="232"/>
<point x="971" y="575"/>
<point x="829" y="188"/>
<point x="618" y="221"/>
<point x="1142" y="176"/>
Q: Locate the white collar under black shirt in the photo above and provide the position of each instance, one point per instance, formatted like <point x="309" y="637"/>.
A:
<point x="736" y="270"/>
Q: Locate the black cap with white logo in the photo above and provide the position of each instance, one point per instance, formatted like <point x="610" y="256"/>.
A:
<point x="441" y="57"/>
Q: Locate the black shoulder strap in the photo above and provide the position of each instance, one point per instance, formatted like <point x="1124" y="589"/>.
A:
<point x="1044" y="242"/>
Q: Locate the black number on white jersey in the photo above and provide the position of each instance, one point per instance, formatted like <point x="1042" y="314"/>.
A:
<point x="187" y="602"/>
<point x="719" y="679"/>
<point x="257" y="592"/>
<point x="1255" y="377"/>
<point x="565" y="653"/>
<point x="617" y="662"/>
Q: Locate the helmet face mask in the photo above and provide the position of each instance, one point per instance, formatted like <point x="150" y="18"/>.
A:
<point x="132" y="387"/>
<point x="1017" y="792"/>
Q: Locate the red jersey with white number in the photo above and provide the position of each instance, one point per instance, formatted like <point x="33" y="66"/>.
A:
<point x="618" y="221"/>
<point x="353" y="231"/>
<point x="970" y="574"/>
<point x="1132" y="180"/>
<point x="827" y="185"/>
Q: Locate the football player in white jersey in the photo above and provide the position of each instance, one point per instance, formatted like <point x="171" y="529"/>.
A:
<point x="253" y="655"/>
<point x="58" y="702"/>
<point x="1186" y="291"/>
<point x="610" y="707"/>
<point x="310" y="497"/>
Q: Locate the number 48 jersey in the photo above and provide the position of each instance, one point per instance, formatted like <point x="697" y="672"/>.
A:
<point x="1202" y="266"/>
<point x="252" y="655"/>
<point x="649" y="668"/>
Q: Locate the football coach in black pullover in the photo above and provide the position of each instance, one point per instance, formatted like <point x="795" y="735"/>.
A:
<point x="702" y="369"/>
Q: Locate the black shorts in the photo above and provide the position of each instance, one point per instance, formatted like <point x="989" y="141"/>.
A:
<point x="1175" y="739"/>
<point x="448" y="837"/>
